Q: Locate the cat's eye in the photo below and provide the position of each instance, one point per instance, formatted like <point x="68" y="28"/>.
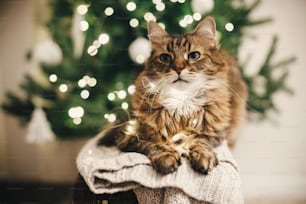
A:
<point x="194" y="56"/>
<point x="165" y="58"/>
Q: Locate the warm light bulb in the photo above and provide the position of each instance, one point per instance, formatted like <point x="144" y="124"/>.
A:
<point x="131" y="6"/>
<point x="160" y="6"/>
<point x="84" y="94"/>
<point x="84" y="25"/>
<point x="92" y="50"/>
<point x="109" y="11"/>
<point x="63" y="88"/>
<point x="122" y="94"/>
<point x="197" y="16"/>
<point x="53" y="78"/>
<point x="111" y="96"/>
<point x="134" y="22"/>
<point x="76" y="112"/>
<point x="82" y="9"/>
<point x="104" y="38"/>
<point x="229" y="27"/>
<point x="96" y="43"/>
<point x="130" y="128"/>
<point x="125" y="105"/>
<point x="82" y="83"/>
<point x="112" y="117"/>
<point x="79" y="112"/>
<point x="132" y="89"/>
<point x="92" y="82"/>
<point x="183" y="23"/>
<point x="149" y="17"/>
<point x="156" y="1"/>
<point x="77" y="121"/>
<point x="188" y="19"/>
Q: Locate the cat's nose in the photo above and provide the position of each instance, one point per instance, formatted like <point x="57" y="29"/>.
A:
<point x="179" y="68"/>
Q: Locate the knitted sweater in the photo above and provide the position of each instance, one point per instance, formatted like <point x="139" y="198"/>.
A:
<point x="107" y="170"/>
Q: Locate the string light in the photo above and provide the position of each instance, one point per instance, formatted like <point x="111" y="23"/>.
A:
<point x="149" y="17"/>
<point x="92" y="82"/>
<point x="173" y="1"/>
<point x="197" y="16"/>
<point x="77" y="121"/>
<point x="76" y="112"/>
<point x="109" y="11"/>
<point x="106" y="115"/>
<point x="183" y="23"/>
<point x="131" y="6"/>
<point x="111" y="96"/>
<point x="86" y="80"/>
<point x="53" y="78"/>
<point x="97" y="44"/>
<point x="85" y="94"/>
<point x="125" y="105"/>
<point x="181" y="1"/>
<point x="156" y="1"/>
<point x="122" y="94"/>
<point x="92" y="50"/>
<point x="104" y="38"/>
<point x="112" y="117"/>
<point x="63" y="88"/>
<point x="131" y="89"/>
<point x="229" y="27"/>
<point x="82" y="9"/>
<point x="82" y="83"/>
<point x="160" y="6"/>
<point x="84" y="25"/>
<point x="188" y="19"/>
<point x="130" y="129"/>
<point x="134" y="22"/>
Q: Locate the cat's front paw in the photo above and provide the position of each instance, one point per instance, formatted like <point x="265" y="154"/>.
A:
<point x="166" y="162"/>
<point x="203" y="160"/>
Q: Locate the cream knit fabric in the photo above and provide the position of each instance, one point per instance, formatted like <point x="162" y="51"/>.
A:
<point x="107" y="170"/>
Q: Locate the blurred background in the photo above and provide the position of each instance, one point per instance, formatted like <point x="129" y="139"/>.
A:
<point x="69" y="68"/>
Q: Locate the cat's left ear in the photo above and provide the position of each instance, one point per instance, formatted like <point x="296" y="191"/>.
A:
<point x="206" y="27"/>
<point x="155" y="31"/>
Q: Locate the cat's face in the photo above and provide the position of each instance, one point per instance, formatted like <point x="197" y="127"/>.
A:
<point x="182" y="67"/>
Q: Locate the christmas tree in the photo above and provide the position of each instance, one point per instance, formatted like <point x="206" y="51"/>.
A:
<point x="97" y="48"/>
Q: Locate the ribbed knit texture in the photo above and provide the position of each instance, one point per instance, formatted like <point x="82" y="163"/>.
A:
<point x="107" y="170"/>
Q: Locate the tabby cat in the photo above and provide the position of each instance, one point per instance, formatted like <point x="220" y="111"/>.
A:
<point x="188" y="99"/>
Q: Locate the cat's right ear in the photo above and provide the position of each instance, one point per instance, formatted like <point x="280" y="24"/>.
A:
<point x="155" y="31"/>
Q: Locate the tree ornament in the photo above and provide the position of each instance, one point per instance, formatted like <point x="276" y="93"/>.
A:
<point x="140" y="50"/>
<point x="48" y="52"/>
<point x="39" y="129"/>
<point x="202" y="6"/>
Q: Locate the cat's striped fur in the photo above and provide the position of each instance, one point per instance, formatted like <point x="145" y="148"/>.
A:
<point x="189" y="98"/>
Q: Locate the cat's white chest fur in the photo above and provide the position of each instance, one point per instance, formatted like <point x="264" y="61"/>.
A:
<point x="182" y="98"/>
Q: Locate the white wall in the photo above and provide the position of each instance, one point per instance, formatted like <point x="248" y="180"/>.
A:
<point x="271" y="156"/>
<point x="15" y="39"/>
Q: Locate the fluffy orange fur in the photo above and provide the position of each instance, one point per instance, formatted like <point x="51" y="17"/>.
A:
<point x="189" y="98"/>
